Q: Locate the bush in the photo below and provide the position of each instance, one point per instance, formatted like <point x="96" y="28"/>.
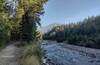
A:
<point x="30" y="54"/>
<point x="3" y="35"/>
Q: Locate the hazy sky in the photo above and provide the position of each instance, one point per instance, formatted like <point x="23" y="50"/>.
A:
<point x="67" y="11"/>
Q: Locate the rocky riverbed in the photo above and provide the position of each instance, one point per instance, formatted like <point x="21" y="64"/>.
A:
<point x="65" y="54"/>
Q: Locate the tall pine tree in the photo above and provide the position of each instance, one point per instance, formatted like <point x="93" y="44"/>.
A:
<point x="32" y="10"/>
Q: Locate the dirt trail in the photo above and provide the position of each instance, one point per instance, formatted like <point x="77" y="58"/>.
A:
<point x="8" y="55"/>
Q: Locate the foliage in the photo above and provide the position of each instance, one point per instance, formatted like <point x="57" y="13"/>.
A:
<point x="4" y="25"/>
<point x="32" y="9"/>
<point x="7" y="24"/>
<point x="30" y="54"/>
<point x="84" y="33"/>
<point x="23" y="25"/>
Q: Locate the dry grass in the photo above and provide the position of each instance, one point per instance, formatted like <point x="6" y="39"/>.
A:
<point x="29" y="60"/>
<point x="30" y="55"/>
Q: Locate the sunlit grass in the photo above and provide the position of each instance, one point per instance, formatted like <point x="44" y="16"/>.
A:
<point x="31" y="54"/>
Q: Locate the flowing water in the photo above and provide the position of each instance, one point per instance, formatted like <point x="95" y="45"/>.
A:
<point x="60" y="55"/>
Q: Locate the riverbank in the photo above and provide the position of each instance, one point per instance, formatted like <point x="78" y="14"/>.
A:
<point x="66" y="54"/>
<point x="30" y="54"/>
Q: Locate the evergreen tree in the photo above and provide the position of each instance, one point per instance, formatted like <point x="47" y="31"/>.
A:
<point x="32" y="10"/>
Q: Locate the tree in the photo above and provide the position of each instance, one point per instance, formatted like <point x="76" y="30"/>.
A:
<point x="20" y="18"/>
<point x="32" y="10"/>
<point x="84" y="33"/>
<point x="5" y="24"/>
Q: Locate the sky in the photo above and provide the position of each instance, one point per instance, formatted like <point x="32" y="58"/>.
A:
<point x="69" y="11"/>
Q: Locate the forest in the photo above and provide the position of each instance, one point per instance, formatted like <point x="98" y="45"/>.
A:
<point x="84" y="33"/>
<point x="21" y="43"/>
<point x="19" y="20"/>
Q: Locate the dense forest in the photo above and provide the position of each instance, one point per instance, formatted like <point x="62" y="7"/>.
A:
<point x="84" y="33"/>
<point x="19" y="20"/>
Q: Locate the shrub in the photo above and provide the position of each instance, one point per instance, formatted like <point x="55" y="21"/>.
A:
<point x="31" y="54"/>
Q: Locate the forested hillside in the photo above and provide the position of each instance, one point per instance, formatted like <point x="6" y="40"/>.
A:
<point x="84" y="33"/>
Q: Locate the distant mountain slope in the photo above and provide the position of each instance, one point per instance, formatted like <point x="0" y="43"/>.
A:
<point x="48" y="27"/>
<point x="85" y="33"/>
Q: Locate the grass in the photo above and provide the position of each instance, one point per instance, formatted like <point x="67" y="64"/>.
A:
<point x="29" y="60"/>
<point x="31" y="54"/>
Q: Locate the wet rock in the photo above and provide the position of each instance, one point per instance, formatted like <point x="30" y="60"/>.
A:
<point x="75" y="60"/>
<point x="60" y="55"/>
<point x="91" y="61"/>
<point x="92" y="55"/>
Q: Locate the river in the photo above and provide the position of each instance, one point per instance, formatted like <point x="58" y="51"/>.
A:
<point x="58" y="54"/>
